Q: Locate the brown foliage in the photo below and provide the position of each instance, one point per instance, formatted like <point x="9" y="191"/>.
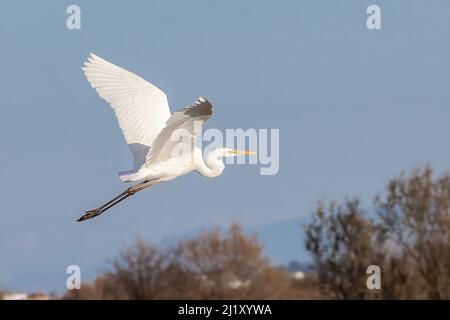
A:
<point x="229" y="267"/>
<point x="408" y="238"/>
<point x="341" y="243"/>
<point x="213" y="265"/>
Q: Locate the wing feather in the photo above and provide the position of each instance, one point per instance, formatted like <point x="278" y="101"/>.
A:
<point x="141" y="108"/>
<point x="189" y="121"/>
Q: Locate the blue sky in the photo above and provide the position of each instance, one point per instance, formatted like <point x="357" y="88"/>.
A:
<point x="354" y="108"/>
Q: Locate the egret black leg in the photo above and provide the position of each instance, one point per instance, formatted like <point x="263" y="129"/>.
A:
<point x="129" y="192"/>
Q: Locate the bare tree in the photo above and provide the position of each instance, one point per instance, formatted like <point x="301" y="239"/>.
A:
<point x="415" y="215"/>
<point x="409" y="238"/>
<point x="340" y="241"/>
<point x="212" y="265"/>
<point x="105" y="287"/>
<point x="229" y="266"/>
<point x="138" y="271"/>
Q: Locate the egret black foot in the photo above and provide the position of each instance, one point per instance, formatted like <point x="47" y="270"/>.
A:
<point x="90" y="214"/>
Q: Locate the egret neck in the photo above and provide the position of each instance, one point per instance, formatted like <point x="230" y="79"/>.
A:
<point x="214" y="165"/>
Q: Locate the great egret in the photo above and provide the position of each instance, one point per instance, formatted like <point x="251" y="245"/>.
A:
<point x="149" y="128"/>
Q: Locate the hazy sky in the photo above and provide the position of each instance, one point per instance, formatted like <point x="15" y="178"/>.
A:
<point x="354" y="107"/>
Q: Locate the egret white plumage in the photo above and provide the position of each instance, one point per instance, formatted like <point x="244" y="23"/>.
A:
<point x="143" y="113"/>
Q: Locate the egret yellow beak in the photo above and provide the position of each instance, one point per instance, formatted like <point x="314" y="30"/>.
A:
<point x="242" y="152"/>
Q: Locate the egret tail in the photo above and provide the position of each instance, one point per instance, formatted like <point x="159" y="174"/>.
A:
<point x="130" y="176"/>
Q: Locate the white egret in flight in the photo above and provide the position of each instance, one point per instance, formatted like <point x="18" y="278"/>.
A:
<point x="149" y="129"/>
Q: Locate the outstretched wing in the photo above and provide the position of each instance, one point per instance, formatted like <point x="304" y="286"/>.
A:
<point x="181" y="128"/>
<point x="141" y="108"/>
